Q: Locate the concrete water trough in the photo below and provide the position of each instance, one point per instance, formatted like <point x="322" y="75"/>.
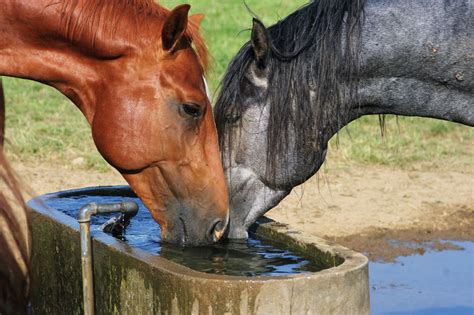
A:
<point x="130" y="280"/>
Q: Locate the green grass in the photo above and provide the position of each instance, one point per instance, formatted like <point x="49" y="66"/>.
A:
<point x="42" y="125"/>
<point x="410" y="142"/>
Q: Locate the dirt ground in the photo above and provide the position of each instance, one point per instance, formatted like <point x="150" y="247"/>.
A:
<point x="363" y="208"/>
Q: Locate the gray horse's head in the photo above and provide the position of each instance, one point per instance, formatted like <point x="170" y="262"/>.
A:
<point x="295" y="84"/>
<point x="272" y="135"/>
<point x="244" y="143"/>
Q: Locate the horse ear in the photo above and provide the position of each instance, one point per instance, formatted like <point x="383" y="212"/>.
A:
<point x="175" y="27"/>
<point x="260" y="42"/>
<point x="196" y="19"/>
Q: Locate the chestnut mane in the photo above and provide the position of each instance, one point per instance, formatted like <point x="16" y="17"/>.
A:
<point x="105" y="17"/>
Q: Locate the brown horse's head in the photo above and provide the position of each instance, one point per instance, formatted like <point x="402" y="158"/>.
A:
<point x="156" y="127"/>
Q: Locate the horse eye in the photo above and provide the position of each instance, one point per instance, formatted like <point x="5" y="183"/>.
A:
<point x="232" y="119"/>
<point x="192" y="110"/>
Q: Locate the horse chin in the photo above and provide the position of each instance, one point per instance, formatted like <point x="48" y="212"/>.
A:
<point x="238" y="231"/>
<point x="250" y="199"/>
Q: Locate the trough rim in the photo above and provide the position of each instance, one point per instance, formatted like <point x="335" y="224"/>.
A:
<point x="353" y="261"/>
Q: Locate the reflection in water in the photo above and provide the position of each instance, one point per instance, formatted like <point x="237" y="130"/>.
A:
<point x="254" y="257"/>
<point x="240" y="258"/>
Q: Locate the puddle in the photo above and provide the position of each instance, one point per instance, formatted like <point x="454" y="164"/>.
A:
<point x="254" y="257"/>
<point x="434" y="283"/>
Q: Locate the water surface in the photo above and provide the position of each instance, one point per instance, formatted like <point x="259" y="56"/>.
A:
<point x="431" y="284"/>
<point x="254" y="257"/>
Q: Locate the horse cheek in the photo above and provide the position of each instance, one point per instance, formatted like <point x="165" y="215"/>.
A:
<point x="119" y="144"/>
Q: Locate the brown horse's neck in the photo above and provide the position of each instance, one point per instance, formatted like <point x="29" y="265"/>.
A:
<point x="65" y="45"/>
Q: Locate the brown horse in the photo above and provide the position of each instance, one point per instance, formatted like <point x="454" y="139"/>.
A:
<point x="135" y="70"/>
<point x="14" y="244"/>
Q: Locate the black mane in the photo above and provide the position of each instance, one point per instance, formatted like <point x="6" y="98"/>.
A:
<point x="314" y="49"/>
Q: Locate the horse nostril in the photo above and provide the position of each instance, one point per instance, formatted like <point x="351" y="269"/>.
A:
<point x="217" y="230"/>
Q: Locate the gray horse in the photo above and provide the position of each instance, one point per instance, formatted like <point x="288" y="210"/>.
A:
<point x="297" y="83"/>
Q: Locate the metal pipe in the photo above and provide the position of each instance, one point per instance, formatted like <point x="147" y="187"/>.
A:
<point x="85" y="213"/>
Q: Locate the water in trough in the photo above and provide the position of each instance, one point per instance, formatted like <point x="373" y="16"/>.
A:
<point x="254" y="257"/>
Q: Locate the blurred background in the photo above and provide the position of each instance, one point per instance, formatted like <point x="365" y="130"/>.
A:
<point x="43" y="126"/>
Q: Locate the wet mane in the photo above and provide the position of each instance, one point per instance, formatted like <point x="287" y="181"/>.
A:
<point x="314" y="54"/>
<point x="105" y="17"/>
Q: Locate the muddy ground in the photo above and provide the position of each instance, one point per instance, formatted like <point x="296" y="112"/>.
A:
<point x="383" y="212"/>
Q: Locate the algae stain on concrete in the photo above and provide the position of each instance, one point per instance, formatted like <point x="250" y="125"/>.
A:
<point x="174" y="306"/>
<point x="135" y="296"/>
<point x="244" y="302"/>
<point x="195" y="308"/>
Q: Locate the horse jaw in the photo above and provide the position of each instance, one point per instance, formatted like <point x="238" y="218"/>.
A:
<point x="250" y="198"/>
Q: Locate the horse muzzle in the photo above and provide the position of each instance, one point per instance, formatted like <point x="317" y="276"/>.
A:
<point x="192" y="231"/>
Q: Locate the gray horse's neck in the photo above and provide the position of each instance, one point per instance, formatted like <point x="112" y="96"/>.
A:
<point x="417" y="60"/>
